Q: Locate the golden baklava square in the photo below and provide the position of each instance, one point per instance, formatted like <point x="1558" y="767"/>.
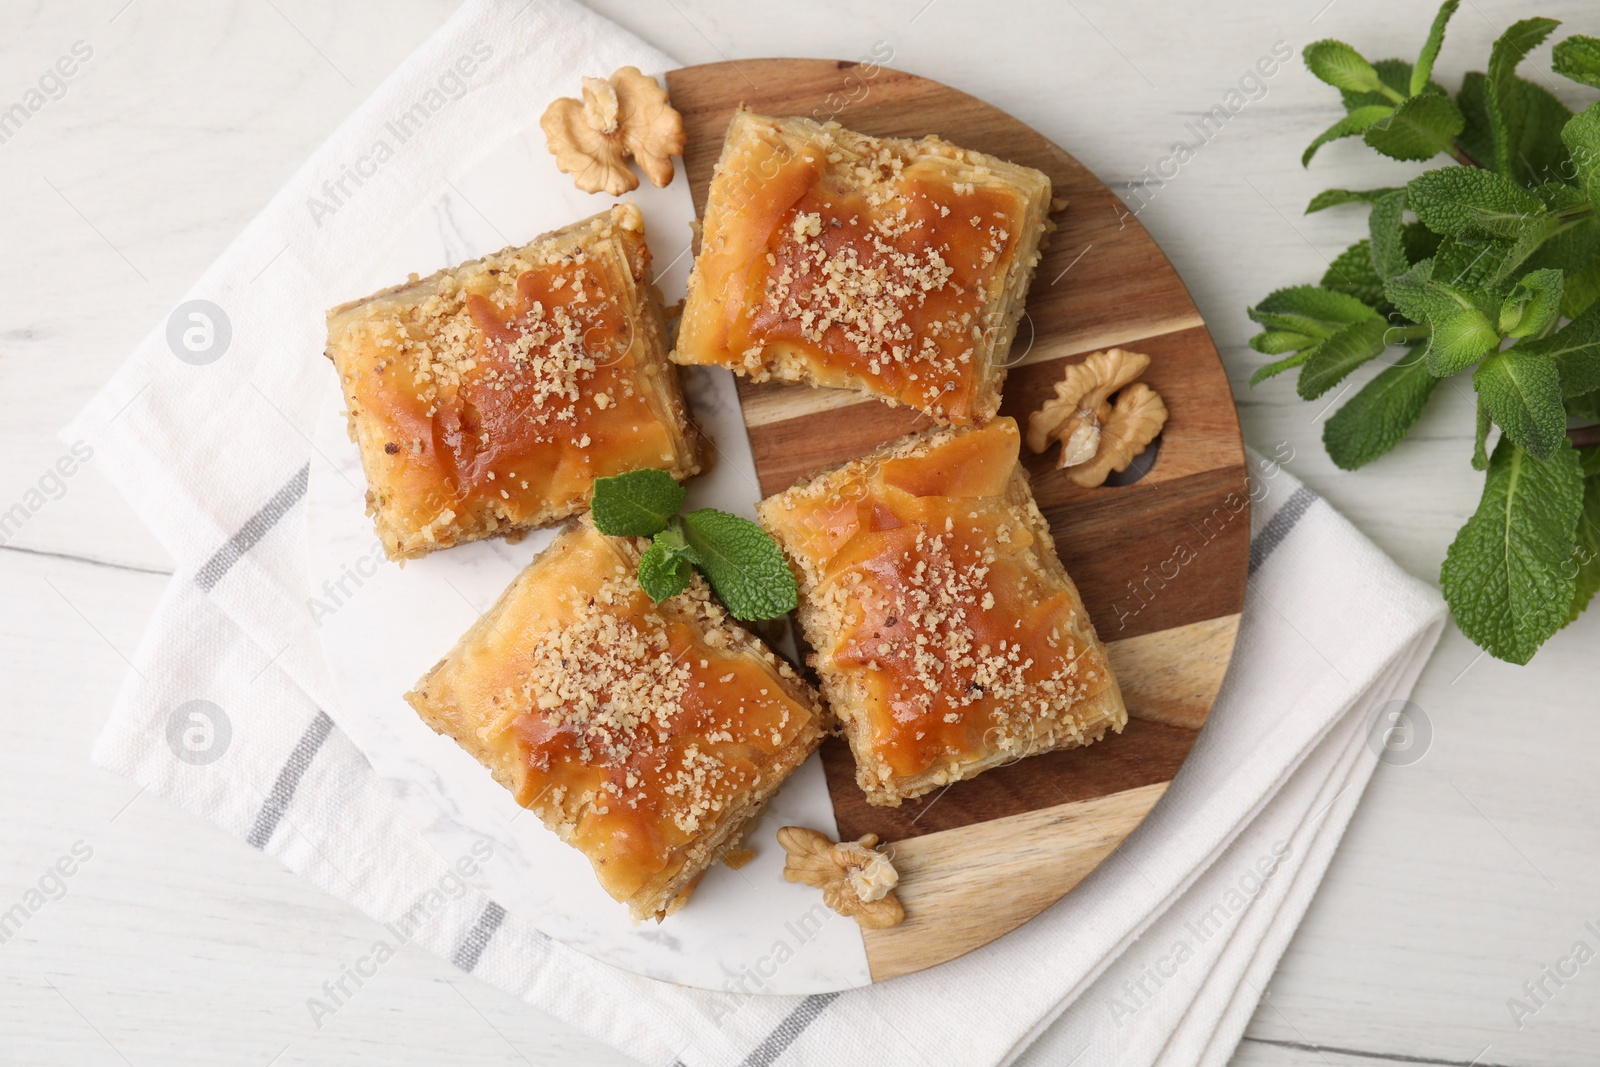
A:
<point x="486" y="399"/>
<point x="946" y="633"/>
<point x="894" y="267"/>
<point x="646" y="735"/>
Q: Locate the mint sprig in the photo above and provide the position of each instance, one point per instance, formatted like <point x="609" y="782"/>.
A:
<point x="744" y="565"/>
<point x="1488" y="265"/>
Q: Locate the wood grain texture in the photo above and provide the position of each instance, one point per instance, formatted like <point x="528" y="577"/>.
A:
<point x="1017" y="866"/>
<point x="1160" y="563"/>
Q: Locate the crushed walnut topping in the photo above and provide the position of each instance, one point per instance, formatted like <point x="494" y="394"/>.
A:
<point x="622" y="706"/>
<point x="542" y="356"/>
<point x="871" y="273"/>
<point x="941" y="584"/>
<point x="629" y="681"/>
<point x="624" y="699"/>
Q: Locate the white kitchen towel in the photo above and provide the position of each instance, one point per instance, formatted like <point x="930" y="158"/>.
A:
<point x="1159" y="956"/>
<point x="230" y="711"/>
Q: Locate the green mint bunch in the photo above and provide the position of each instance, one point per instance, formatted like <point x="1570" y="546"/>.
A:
<point x="1489" y="264"/>
<point x="741" y="560"/>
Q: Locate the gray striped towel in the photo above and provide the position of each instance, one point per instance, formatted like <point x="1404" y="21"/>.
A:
<point x="1157" y="957"/>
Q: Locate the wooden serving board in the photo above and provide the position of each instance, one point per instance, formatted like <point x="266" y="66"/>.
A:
<point x="1160" y="562"/>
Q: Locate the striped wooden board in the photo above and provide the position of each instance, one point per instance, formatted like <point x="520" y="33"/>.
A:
<point x="1160" y="562"/>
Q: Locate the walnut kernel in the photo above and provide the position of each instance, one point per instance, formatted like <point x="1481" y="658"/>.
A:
<point x="1099" y="435"/>
<point x="625" y="115"/>
<point x="856" y="880"/>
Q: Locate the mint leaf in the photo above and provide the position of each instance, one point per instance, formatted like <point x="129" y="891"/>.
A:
<point x="1476" y="139"/>
<point x="1309" y="310"/>
<point x="1538" y="154"/>
<point x="1420" y="128"/>
<point x="1338" y="197"/>
<point x="1581" y="135"/>
<point x="1305" y="317"/>
<point x="1341" y="66"/>
<point x="1277" y="342"/>
<point x="1356" y="122"/>
<point x="1461" y="332"/>
<point x="742" y="562"/>
<point x="1523" y="394"/>
<point x="1582" y="287"/>
<point x="1507" y="575"/>
<point x="1377" y="418"/>
<point x="1470" y="262"/>
<point x="1452" y="199"/>
<point x="1277" y="367"/>
<point x="1430" y="48"/>
<point x="664" y="569"/>
<point x="1507" y="103"/>
<point x="1538" y="230"/>
<point x="1480" y="455"/>
<point x="1459" y="341"/>
<point x="1342" y="353"/>
<point x="1384" y="225"/>
<point x="1575" y="349"/>
<point x="1421" y="297"/>
<point x="1584" y="406"/>
<point x="1586" y="553"/>
<point x="1419" y="242"/>
<point x="1558" y="195"/>
<point x="1502" y="248"/>
<point x="1533" y="305"/>
<point x="1571" y="248"/>
<point x="636" y="504"/>
<point x="1352" y="274"/>
<point x="1578" y="58"/>
<point x="1395" y="76"/>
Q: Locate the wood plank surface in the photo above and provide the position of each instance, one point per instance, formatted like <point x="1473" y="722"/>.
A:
<point x="1160" y="561"/>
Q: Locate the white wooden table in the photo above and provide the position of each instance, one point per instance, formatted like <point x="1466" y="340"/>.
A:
<point x="1463" y="877"/>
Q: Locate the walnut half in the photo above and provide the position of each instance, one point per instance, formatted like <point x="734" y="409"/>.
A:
<point x="1099" y="435"/>
<point x="625" y="115"/>
<point x="855" y="879"/>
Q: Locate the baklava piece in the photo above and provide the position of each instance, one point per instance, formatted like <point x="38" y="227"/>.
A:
<point x="486" y="399"/>
<point x="646" y="735"/>
<point x="947" y="635"/>
<point x="894" y="267"/>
